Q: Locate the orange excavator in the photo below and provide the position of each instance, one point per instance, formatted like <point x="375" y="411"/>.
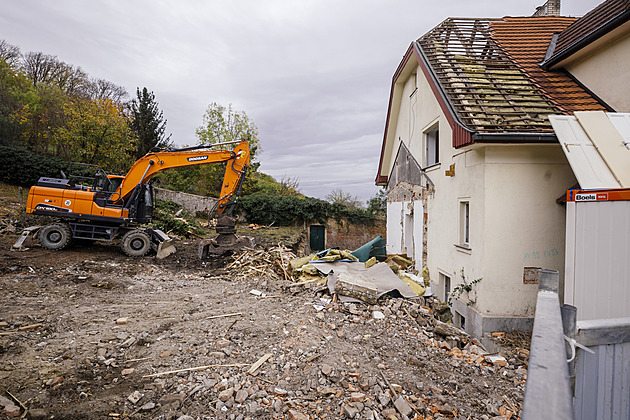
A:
<point x="99" y="206"/>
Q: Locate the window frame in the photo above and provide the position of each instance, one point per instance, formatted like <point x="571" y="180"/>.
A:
<point x="432" y="138"/>
<point x="463" y="240"/>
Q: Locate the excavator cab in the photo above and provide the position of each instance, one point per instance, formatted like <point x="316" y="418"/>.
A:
<point x="142" y="209"/>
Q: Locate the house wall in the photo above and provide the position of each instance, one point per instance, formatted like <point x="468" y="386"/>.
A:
<point x="525" y="227"/>
<point x="514" y="219"/>
<point x="605" y="72"/>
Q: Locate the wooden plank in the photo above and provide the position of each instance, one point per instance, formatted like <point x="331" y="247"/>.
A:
<point x="259" y="363"/>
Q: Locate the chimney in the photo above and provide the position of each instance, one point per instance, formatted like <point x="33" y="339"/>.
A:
<point x="550" y="8"/>
<point x="553" y="7"/>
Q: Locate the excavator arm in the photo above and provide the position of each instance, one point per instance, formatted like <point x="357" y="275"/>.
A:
<point x="153" y="163"/>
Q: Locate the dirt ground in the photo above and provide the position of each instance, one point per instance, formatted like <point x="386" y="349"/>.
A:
<point x="88" y="333"/>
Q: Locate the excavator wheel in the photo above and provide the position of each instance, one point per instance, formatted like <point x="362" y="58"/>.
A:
<point x="55" y="236"/>
<point x="136" y="243"/>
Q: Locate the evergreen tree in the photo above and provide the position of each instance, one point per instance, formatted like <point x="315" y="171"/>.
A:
<point x="147" y="123"/>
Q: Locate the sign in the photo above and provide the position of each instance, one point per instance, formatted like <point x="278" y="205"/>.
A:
<point x="197" y="158"/>
<point x="591" y="197"/>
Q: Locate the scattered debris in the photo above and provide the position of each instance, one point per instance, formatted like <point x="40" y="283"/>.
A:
<point x="323" y="357"/>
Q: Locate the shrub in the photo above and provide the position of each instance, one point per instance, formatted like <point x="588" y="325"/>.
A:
<point x="24" y="168"/>
<point x="263" y="209"/>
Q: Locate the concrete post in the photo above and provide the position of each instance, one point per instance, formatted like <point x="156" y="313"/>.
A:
<point x="549" y="280"/>
<point x="569" y="326"/>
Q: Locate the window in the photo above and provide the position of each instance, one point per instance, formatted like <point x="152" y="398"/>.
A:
<point x="459" y="320"/>
<point x="432" y="146"/>
<point x="446" y="281"/>
<point x="464" y="224"/>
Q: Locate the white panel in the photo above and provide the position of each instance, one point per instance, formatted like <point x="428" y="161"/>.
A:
<point x="569" y="255"/>
<point x="602" y="260"/>
<point x="407" y="246"/>
<point x="394" y="228"/>
<point x="588" y="166"/>
<point x="621" y="123"/>
<point x="609" y="143"/>
<point x="418" y="233"/>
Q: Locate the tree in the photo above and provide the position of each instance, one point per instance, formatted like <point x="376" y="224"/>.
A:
<point x="96" y="132"/>
<point x="9" y="53"/>
<point x="39" y="67"/>
<point x="337" y="196"/>
<point x="41" y="114"/>
<point x="15" y="89"/>
<point x="221" y="124"/>
<point x="377" y="205"/>
<point x="71" y="80"/>
<point x="147" y="123"/>
<point x="104" y="89"/>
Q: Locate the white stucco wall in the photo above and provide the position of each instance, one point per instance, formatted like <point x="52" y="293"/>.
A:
<point x="604" y="70"/>
<point x="524" y="226"/>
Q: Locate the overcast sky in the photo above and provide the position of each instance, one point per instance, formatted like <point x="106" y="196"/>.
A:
<point x="313" y="75"/>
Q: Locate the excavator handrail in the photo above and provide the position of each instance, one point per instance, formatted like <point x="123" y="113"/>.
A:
<point x="203" y="146"/>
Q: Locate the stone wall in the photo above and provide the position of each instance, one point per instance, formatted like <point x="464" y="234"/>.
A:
<point x="192" y="203"/>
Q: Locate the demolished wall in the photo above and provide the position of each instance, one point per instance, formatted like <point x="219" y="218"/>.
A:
<point x="346" y="235"/>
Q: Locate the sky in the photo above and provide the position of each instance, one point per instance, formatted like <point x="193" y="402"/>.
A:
<point x="313" y="75"/>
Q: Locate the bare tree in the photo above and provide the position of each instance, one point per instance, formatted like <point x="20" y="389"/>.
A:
<point x="9" y="53"/>
<point x="104" y="89"/>
<point x="72" y="80"/>
<point x="39" y="67"/>
<point x="337" y="196"/>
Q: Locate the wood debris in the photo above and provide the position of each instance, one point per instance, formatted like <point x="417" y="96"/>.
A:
<point x="193" y="369"/>
<point x="257" y="262"/>
<point x="259" y="363"/>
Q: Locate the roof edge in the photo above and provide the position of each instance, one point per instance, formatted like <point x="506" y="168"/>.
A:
<point x="382" y="179"/>
<point x="584" y="41"/>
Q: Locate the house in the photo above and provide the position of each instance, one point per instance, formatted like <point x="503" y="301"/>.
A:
<point x="474" y="171"/>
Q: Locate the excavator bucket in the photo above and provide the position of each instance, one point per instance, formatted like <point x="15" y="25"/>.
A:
<point x="27" y="233"/>
<point x="162" y="243"/>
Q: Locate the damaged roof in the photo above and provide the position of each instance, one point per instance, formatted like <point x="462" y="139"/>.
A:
<point x="488" y="70"/>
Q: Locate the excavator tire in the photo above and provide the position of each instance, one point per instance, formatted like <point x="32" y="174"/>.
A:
<point x="55" y="236"/>
<point x="136" y="243"/>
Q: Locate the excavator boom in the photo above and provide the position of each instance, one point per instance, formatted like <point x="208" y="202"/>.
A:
<point x="152" y="164"/>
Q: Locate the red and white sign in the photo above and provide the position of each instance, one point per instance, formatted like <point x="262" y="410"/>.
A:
<point x="591" y="197"/>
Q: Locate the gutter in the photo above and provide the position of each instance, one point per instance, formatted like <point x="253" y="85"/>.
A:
<point x="584" y="41"/>
<point x="515" y="138"/>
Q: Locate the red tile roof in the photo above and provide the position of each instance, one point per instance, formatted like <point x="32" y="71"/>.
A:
<point x="525" y="40"/>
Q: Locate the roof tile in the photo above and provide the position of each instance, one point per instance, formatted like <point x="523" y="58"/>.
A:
<point x="590" y="22"/>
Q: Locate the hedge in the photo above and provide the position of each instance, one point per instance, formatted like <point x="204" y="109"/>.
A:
<point x="264" y="209"/>
<point x="24" y="168"/>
